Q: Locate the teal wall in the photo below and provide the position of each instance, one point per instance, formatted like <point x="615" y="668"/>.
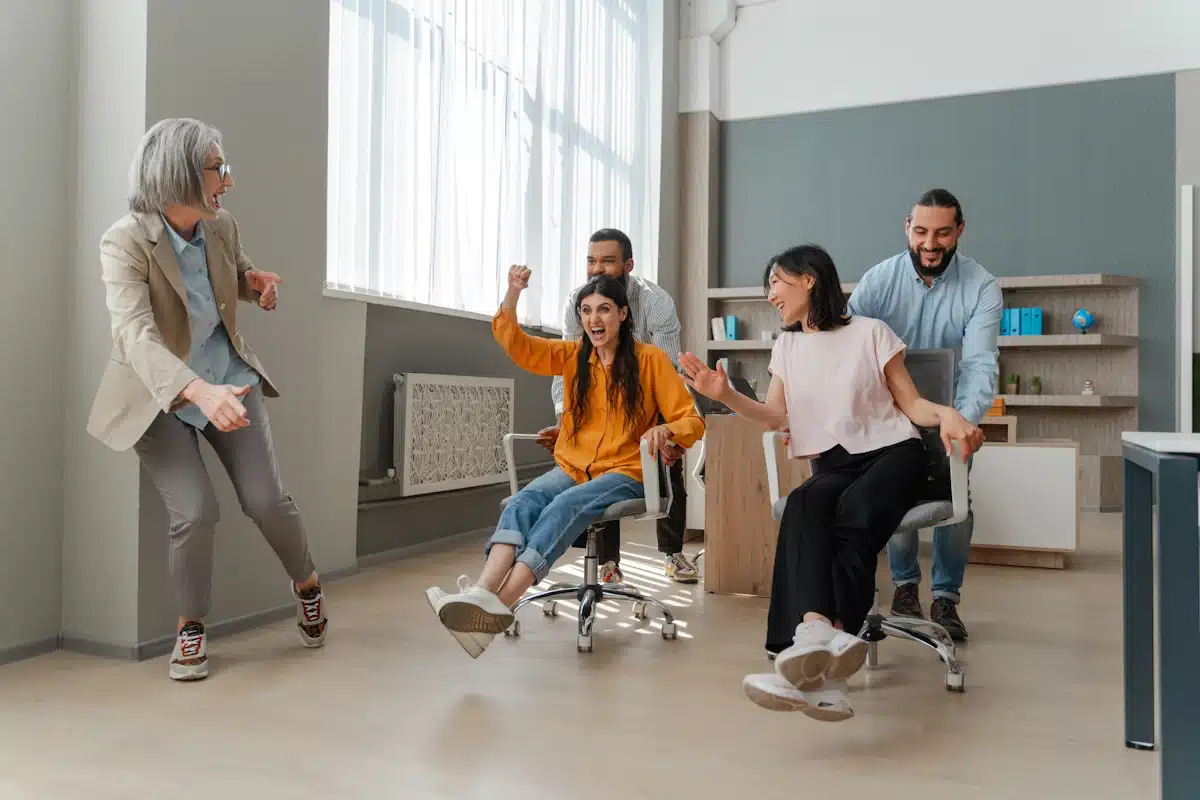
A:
<point x="1066" y="179"/>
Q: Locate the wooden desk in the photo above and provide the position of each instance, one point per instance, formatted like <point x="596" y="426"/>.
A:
<point x="739" y="534"/>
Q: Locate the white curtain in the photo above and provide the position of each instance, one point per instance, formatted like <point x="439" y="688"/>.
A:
<point x="468" y="135"/>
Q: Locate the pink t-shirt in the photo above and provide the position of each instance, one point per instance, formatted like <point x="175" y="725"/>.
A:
<point x="835" y="389"/>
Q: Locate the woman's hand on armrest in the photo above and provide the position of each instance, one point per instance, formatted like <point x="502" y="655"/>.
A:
<point x="925" y="414"/>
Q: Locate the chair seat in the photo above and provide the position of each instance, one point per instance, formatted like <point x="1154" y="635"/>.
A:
<point x="618" y="510"/>
<point x="926" y="515"/>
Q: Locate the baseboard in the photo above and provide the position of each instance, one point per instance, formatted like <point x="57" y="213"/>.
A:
<point x="1112" y="509"/>
<point x="433" y="545"/>
<point x="161" y="645"/>
<point x="9" y="655"/>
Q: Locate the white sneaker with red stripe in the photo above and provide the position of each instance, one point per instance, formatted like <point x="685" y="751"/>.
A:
<point x="189" y="659"/>
<point x="310" y="615"/>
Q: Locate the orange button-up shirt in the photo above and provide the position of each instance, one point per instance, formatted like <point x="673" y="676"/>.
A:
<point x="605" y="442"/>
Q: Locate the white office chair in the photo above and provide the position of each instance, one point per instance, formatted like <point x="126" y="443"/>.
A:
<point x="927" y="515"/>
<point x="591" y="592"/>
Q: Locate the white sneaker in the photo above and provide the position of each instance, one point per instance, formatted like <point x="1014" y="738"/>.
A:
<point x="680" y="570"/>
<point x="805" y="662"/>
<point x="849" y="654"/>
<point x="474" y="610"/>
<point x="473" y="643"/>
<point x="774" y="693"/>
<point x="189" y="659"/>
<point x="310" y="616"/>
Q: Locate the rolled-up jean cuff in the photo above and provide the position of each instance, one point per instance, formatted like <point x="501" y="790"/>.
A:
<point x="953" y="597"/>
<point x="503" y="536"/>
<point x="536" y="562"/>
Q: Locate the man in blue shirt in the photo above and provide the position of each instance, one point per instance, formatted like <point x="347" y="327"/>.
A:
<point x="932" y="296"/>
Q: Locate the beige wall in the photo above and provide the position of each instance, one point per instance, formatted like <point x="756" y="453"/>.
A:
<point x="36" y="68"/>
<point x="260" y="75"/>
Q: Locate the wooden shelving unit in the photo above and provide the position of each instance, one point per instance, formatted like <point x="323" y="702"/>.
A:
<point x="1062" y="358"/>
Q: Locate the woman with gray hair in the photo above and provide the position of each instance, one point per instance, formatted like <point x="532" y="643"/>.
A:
<point x="173" y="272"/>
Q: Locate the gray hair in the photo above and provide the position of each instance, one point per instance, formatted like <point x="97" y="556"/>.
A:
<point x="168" y="168"/>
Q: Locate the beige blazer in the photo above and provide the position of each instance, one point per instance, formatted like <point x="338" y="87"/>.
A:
<point x="152" y="340"/>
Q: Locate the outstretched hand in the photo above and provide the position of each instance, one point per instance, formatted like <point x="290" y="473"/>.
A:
<point x="709" y="382"/>
<point x="267" y="286"/>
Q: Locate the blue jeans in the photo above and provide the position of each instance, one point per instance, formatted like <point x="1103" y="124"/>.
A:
<point x="951" y="547"/>
<point x="544" y="518"/>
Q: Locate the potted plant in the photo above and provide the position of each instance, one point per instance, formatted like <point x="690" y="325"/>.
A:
<point x="1035" y="385"/>
<point x="1013" y="383"/>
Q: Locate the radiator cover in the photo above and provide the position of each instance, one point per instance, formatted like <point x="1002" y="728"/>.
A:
<point x="449" y="431"/>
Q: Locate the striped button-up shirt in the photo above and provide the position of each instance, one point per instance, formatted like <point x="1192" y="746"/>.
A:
<point x="654" y="322"/>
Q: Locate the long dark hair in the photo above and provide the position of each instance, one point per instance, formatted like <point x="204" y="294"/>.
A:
<point x="624" y="388"/>
<point x="827" y="302"/>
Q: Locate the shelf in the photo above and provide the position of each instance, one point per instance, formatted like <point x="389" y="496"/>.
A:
<point x="1069" y="340"/>
<point x="754" y="292"/>
<point x="1070" y="400"/>
<point x="1023" y="283"/>
<point x="741" y="344"/>
<point x="1092" y="281"/>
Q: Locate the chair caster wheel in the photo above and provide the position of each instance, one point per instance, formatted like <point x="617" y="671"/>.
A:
<point x="668" y="631"/>
<point x="584" y="644"/>
<point x="955" y="682"/>
<point x="550" y="609"/>
<point x="639" y="611"/>
<point x="514" y="629"/>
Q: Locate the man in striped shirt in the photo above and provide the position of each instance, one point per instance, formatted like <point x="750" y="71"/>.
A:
<point x="655" y="322"/>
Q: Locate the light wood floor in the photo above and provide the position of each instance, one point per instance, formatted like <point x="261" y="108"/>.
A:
<point x="393" y="708"/>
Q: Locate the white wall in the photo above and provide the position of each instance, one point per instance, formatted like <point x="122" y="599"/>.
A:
<point x="792" y="56"/>
<point x="100" y="487"/>
<point x="36" y="69"/>
<point x="263" y="82"/>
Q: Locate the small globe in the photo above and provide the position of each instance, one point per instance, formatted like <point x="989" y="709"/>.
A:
<point x="1083" y="320"/>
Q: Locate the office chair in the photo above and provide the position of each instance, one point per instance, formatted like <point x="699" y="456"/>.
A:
<point x="592" y="592"/>
<point x="933" y="374"/>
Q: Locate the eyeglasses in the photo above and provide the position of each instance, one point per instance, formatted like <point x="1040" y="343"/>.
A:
<point x="223" y="169"/>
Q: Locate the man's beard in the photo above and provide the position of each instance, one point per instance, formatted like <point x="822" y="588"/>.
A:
<point x="931" y="272"/>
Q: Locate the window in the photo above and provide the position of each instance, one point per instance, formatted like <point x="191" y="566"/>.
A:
<point x="468" y="135"/>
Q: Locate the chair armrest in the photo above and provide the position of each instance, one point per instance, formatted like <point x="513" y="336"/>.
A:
<point x="508" y="456"/>
<point x="650" y="482"/>
<point x="959" y="486"/>
<point x="769" y="438"/>
<point x="696" y="470"/>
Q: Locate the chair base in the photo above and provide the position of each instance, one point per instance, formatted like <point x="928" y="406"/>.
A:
<point x="590" y="594"/>
<point x="923" y="632"/>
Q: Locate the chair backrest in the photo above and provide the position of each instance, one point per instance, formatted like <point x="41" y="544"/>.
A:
<point x="933" y="373"/>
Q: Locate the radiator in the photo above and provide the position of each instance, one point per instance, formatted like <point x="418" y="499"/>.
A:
<point x="449" y="431"/>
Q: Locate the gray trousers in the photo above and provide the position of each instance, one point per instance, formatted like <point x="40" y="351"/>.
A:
<point x="170" y="452"/>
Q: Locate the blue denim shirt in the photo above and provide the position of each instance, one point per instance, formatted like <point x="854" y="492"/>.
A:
<point x="212" y="357"/>
<point x="961" y="310"/>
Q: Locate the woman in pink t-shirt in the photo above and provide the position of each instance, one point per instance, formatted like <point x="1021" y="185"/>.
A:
<point x="840" y="387"/>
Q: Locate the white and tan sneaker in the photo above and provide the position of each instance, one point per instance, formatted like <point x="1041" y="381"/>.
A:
<point x="473" y="643"/>
<point x="310" y="615"/>
<point x="680" y="570"/>
<point x="189" y="659"/>
<point x="773" y="692"/>
<point x="820" y="652"/>
<point x="474" y="610"/>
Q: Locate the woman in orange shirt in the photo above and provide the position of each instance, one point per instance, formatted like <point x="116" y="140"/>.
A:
<point x="617" y="390"/>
